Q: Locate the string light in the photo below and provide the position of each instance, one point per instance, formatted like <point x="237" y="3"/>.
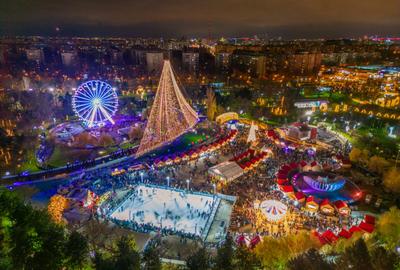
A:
<point x="170" y="115"/>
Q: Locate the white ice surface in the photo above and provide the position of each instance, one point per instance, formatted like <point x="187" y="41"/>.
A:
<point x="168" y="204"/>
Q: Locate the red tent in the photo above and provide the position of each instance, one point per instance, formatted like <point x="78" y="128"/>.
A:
<point x="322" y="240"/>
<point x="281" y="182"/>
<point x="299" y="196"/>
<point x="369" y="228"/>
<point x="294" y="165"/>
<point x="253" y="160"/>
<point x="314" y="163"/>
<point x="310" y="199"/>
<point x="283" y="171"/>
<point x="330" y="236"/>
<point x="354" y="229"/>
<point x="281" y="175"/>
<point x="242" y="240"/>
<point x="345" y="234"/>
<point x="340" y="204"/>
<point x="325" y="202"/>
<point x="303" y="163"/>
<point x="271" y="133"/>
<point x="256" y="239"/>
<point x="286" y="168"/>
<point x="369" y="219"/>
<point x="286" y="188"/>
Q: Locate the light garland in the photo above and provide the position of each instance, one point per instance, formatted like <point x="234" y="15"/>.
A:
<point x="56" y="207"/>
<point x="170" y="115"/>
<point x="95" y="102"/>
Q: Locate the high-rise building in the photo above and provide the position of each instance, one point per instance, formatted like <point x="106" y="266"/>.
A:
<point x="140" y="57"/>
<point x="69" y="58"/>
<point x="2" y="55"/>
<point x="35" y="55"/>
<point x="117" y="56"/>
<point x="223" y="60"/>
<point x="190" y="61"/>
<point x="304" y="63"/>
<point x="154" y="61"/>
<point x="251" y="63"/>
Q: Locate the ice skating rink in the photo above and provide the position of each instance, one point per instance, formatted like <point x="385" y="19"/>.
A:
<point x="167" y="208"/>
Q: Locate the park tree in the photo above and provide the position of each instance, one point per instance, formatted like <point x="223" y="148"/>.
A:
<point x="122" y="256"/>
<point x="224" y="258"/>
<point x="391" y="179"/>
<point x="135" y="133"/>
<point x="357" y="155"/>
<point x="151" y="259"/>
<point x="388" y="228"/>
<point x="378" y="164"/>
<point x="245" y="259"/>
<point x="310" y="260"/>
<point x="126" y="255"/>
<point x="29" y="239"/>
<point x="200" y="260"/>
<point x="105" y="140"/>
<point x="84" y="138"/>
<point x="76" y="250"/>
<point x="275" y="253"/>
<point x="342" y="244"/>
<point x="355" y="257"/>
<point x="383" y="259"/>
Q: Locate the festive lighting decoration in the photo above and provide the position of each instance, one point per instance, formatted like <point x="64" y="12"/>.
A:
<point x="56" y="208"/>
<point x="325" y="182"/>
<point x="273" y="210"/>
<point x="95" y="102"/>
<point x="170" y="115"/>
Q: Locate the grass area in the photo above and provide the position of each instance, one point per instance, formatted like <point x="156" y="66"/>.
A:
<point x="30" y="163"/>
<point x="190" y="138"/>
<point x="129" y="145"/>
<point x="317" y="95"/>
<point x="246" y="115"/>
<point x="333" y="97"/>
<point x="62" y="155"/>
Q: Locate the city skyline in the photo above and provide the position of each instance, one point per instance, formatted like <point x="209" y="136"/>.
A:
<point x="288" y="19"/>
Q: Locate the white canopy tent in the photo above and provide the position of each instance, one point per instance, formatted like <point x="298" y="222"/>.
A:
<point x="226" y="171"/>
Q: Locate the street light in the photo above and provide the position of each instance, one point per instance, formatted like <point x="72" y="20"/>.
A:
<point x="187" y="182"/>
<point x="141" y="176"/>
<point x="215" y="188"/>
<point x="168" y="181"/>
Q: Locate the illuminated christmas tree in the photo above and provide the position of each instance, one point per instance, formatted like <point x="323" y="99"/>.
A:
<point x="170" y="115"/>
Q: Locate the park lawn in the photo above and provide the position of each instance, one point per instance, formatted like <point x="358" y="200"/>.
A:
<point x="62" y="155"/>
<point x="30" y="163"/>
<point x="129" y="145"/>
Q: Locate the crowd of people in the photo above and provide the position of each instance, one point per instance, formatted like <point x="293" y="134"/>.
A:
<point x="256" y="184"/>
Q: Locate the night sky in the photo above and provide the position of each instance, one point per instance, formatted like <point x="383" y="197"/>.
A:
<point x="204" y="18"/>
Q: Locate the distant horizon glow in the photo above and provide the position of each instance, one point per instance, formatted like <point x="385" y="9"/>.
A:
<point x="265" y="18"/>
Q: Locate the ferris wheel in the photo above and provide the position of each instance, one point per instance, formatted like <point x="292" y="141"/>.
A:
<point x="95" y="102"/>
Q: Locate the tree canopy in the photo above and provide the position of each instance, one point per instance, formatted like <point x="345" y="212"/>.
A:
<point x="29" y="239"/>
